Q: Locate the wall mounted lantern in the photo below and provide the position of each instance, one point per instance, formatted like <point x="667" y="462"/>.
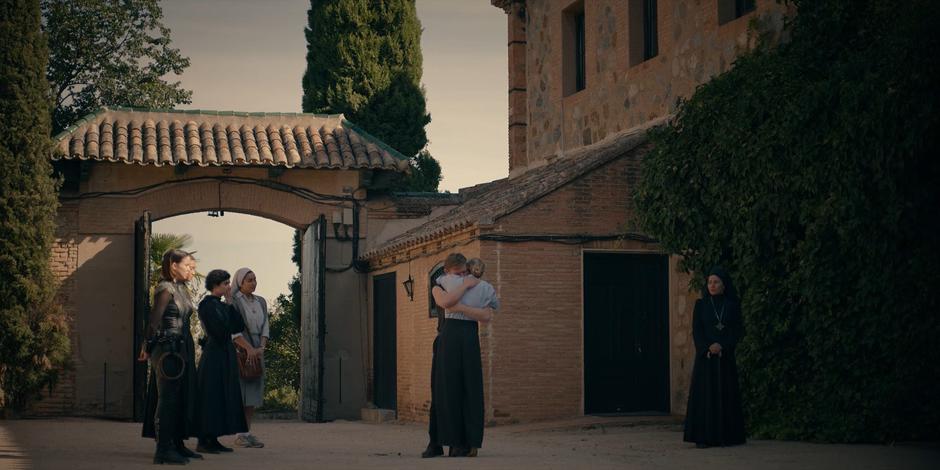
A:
<point x="410" y="287"/>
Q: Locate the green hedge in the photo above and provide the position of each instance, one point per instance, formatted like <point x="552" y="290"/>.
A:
<point x="810" y="170"/>
<point x="33" y="332"/>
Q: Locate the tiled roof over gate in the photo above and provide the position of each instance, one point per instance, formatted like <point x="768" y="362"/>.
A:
<point x="225" y="138"/>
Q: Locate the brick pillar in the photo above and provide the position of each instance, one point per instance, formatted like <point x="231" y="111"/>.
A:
<point x="518" y="102"/>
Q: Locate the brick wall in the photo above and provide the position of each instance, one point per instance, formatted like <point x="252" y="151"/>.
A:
<point x="532" y="352"/>
<point x="693" y="47"/>
<point x="541" y="289"/>
<point x="111" y="214"/>
<point x="416" y="330"/>
<point x="64" y="261"/>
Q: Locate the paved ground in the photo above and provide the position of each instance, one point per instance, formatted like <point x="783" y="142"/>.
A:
<point x="75" y="444"/>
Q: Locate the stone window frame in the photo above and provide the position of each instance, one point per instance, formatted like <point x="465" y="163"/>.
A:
<point x="574" y="48"/>
<point x="643" y="24"/>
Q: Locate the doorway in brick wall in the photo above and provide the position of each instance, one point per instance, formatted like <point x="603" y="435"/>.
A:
<point x="385" y="358"/>
<point x="229" y="241"/>
<point x="626" y="333"/>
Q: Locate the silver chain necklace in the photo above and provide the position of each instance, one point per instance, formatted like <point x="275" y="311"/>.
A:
<point x="720" y="326"/>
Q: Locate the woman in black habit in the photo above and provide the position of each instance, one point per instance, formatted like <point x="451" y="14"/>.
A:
<point x="714" y="416"/>
<point x="220" y="396"/>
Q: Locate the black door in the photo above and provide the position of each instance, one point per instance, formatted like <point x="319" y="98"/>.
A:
<point x="141" y="308"/>
<point x="384" y="354"/>
<point x="626" y="332"/>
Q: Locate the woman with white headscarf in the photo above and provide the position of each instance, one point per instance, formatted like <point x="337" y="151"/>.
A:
<point x="254" y="310"/>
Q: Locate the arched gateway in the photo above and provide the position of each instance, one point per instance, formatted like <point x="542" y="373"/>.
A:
<point x="124" y="168"/>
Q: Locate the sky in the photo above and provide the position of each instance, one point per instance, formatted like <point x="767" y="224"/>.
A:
<point x="250" y="55"/>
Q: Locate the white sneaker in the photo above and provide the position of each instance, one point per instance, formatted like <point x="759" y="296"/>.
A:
<point x="242" y="441"/>
<point x="254" y="441"/>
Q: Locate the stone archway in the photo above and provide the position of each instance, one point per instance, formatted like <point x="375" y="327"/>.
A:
<point x="125" y="168"/>
<point x="166" y="203"/>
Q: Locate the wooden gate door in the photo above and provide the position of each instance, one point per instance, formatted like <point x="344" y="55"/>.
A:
<point x="142" y="231"/>
<point x="384" y="342"/>
<point x="626" y="333"/>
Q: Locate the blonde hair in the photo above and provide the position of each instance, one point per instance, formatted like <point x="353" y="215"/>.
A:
<point x="476" y="266"/>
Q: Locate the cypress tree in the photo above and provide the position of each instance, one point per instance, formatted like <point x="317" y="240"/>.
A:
<point x="364" y="60"/>
<point x="33" y="337"/>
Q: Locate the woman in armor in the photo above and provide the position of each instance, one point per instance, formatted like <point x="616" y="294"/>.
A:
<point x="171" y="390"/>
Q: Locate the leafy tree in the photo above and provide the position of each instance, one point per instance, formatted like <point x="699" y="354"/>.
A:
<point x="425" y="173"/>
<point x="809" y="169"/>
<point x="282" y="357"/>
<point x="109" y="53"/>
<point x="364" y="60"/>
<point x="33" y="331"/>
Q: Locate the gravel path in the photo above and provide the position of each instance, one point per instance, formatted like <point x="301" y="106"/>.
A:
<point x="75" y="444"/>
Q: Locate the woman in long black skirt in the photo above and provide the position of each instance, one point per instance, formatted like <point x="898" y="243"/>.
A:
<point x="714" y="416"/>
<point x="458" y="372"/>
<point x="220" y="396"/>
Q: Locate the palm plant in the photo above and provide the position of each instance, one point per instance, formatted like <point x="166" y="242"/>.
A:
<point x="160" y="243"/>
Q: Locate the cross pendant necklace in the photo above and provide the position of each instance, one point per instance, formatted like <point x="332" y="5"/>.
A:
<point x="720" y="326"/>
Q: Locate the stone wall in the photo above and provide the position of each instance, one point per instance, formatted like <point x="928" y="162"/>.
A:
<point x="692" y="48"/>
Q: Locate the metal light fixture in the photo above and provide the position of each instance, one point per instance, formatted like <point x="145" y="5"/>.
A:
<point x="410" y="287"/>
<point x="218" y="212"/>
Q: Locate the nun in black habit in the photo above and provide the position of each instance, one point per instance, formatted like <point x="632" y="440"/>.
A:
<point x="220" y="396"/>
<point x="714" y="416"/>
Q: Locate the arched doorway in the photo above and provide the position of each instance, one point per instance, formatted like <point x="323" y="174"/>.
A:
<point x="313" y="303"/>
<point x="229" y="241"/>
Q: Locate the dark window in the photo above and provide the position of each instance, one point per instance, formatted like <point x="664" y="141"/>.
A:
<point x="729" y="10"/>
<point x="650" y="42"/>
<point x="573" y="49"/>
<point x="644" y="35"/>
<point x="436" y="272"/>
<point x="579" y="51"/>
<point x="743" y="7"/>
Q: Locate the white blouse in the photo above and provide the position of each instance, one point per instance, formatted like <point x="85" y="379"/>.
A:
<point x="255" y="312"/>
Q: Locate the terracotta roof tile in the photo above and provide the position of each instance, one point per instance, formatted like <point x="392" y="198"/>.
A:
<point x="224" y="138"/>
<point x="483" y="204"/>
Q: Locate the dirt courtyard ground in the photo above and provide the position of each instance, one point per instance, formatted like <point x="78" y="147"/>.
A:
<point x="75" y="444"/>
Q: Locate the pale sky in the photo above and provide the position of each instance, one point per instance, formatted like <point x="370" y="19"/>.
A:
<point x="250" y="55"/>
